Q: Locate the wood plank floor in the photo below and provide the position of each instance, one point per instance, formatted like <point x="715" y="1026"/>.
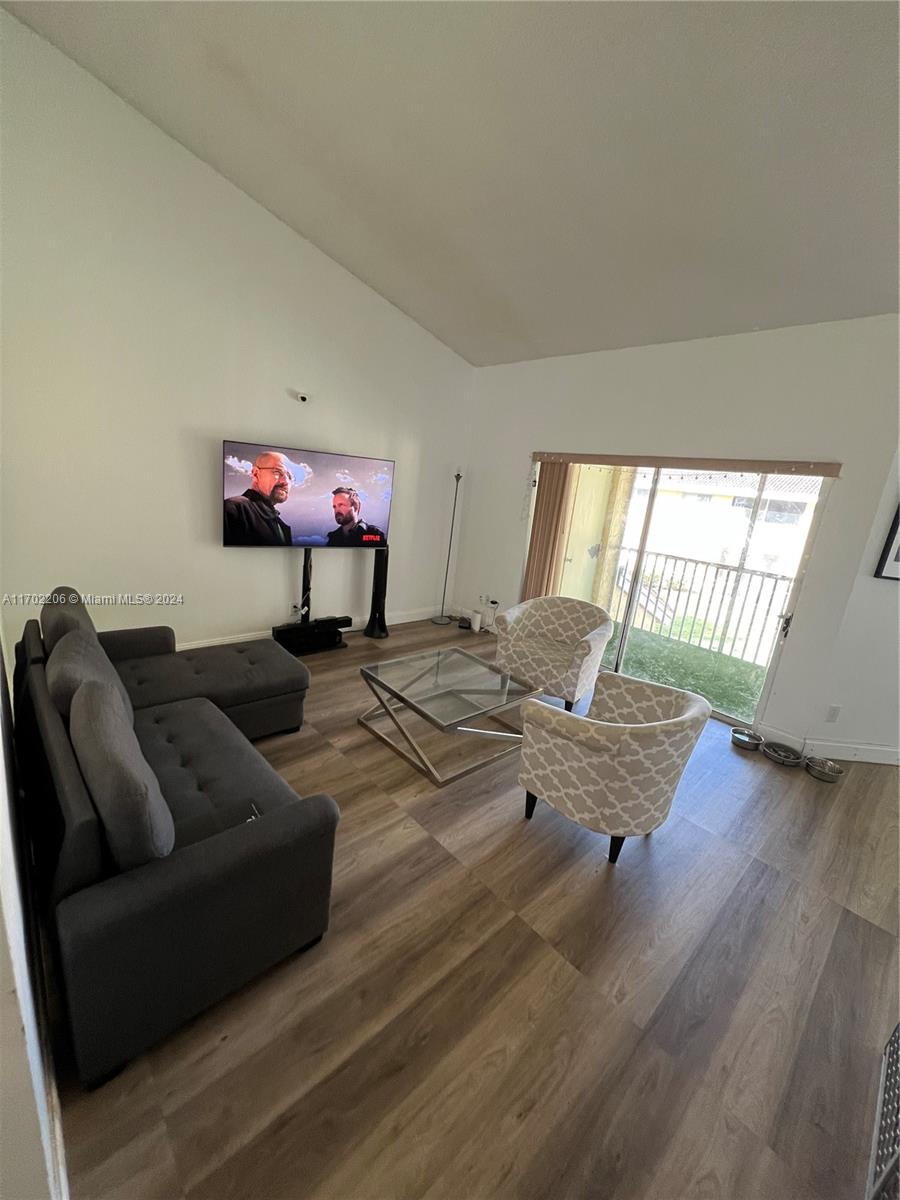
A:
<point x="497" y="1012"/>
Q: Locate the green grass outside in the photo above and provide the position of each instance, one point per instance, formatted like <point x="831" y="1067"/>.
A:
<point x="730" y="685"/>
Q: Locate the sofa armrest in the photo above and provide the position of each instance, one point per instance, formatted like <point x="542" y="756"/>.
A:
<point x="505" y="622"/>
<point x="609" y="737"/>
<point x="593" y="735"/>
<point x="144" y="951"/>
<point x="190" y="880"/>
<point x="597" y="638"/>
<point x="120" y="644"/>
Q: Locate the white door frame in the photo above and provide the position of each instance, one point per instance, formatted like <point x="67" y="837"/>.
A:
<point x="790" y="604"/>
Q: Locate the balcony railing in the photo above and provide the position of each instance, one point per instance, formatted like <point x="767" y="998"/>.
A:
<point x="725" y="609"/>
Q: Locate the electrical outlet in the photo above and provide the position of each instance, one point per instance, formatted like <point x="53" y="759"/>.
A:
<point x="832" y="713"/>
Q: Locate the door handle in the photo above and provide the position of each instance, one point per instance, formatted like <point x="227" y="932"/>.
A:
<point x="786" y="620"/>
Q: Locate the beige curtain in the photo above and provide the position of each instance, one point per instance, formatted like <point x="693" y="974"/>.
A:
<point x="546" y="550"/>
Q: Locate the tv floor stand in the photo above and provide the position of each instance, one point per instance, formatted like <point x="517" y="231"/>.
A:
<point x="305" y="636"/>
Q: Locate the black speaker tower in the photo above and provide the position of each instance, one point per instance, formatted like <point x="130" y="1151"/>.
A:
<point x="377" y="626"/>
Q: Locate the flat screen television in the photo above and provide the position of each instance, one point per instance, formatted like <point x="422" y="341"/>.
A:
<point x="281" y="496"/>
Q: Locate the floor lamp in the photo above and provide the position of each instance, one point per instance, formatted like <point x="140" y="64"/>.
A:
<point x="442" y="620"/>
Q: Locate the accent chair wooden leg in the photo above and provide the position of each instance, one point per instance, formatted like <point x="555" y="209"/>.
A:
<point x="615" y="845"/>
<point x="530" y="802"/>
<point x="570" y="704"/>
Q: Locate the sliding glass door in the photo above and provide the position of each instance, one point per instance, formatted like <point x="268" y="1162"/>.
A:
<point x="696" y="568"/>
<point x="609" y="509"/>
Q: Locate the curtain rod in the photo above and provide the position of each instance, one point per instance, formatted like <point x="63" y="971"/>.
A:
<point x="829" y="470"/>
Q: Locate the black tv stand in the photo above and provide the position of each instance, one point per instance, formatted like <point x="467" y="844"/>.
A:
<point x="309" y="637"/>
<point x="306" y="636"/>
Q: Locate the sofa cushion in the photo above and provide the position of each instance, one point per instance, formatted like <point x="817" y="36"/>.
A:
<point x="228" y="675"/>
<point x="210" y="775"/>
<point x="136" y="819"/>
<point x="62" y="613"/>
<point x="76" y="658"/>
<point x="68" y="849"/>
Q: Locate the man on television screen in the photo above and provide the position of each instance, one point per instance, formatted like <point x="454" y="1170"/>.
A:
<point x="351" y="531"/>
<point x="251" y="519"/>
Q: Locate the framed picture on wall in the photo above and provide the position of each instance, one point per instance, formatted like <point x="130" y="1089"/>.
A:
<point x="889" y="563"/>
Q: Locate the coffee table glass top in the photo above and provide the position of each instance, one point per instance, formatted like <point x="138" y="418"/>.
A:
<point x="448" y="686"/>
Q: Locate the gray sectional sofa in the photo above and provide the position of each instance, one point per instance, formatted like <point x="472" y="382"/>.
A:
<point x="173" y="863"/>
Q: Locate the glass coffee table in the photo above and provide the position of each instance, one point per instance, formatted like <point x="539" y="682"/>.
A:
<point x="450" y="689"/>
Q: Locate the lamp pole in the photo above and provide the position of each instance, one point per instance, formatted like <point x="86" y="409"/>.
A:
<point x="442" y="620"/>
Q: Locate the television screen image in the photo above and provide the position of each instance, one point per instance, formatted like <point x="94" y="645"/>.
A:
<point x="280" y="496"/>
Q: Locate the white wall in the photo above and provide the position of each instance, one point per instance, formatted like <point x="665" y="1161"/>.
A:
<point x="25" y="1149"/>
<point x="150" y="309"/>
<point x="23" y="1174"/>
<point x="863" y="678"/>
<point x="820" y="392"/>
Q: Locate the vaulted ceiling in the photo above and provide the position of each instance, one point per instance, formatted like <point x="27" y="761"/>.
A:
<point x="533" y="179"/>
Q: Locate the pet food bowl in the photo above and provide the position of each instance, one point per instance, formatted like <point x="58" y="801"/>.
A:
<point x="824" y="769"/>
<point x="781" y="754"/>
<point x="746" y="739"/>
<point x="785" y="756"/>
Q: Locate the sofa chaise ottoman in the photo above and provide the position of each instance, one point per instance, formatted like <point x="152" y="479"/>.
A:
<point x="257" y="684"/>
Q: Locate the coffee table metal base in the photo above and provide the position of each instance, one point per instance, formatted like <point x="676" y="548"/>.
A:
<point x="414" y="754"/>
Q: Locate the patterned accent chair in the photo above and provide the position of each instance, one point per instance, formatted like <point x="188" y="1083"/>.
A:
<point x="555" y="643"/>
<point x="615" y="770"/>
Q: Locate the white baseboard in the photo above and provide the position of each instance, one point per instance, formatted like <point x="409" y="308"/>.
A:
<point x="771" y="734"/>
<point x="359" y="623"/>
<point x="853" y="752"/>
<point x="401" y="618"/>
<point x="847" y="751"/>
